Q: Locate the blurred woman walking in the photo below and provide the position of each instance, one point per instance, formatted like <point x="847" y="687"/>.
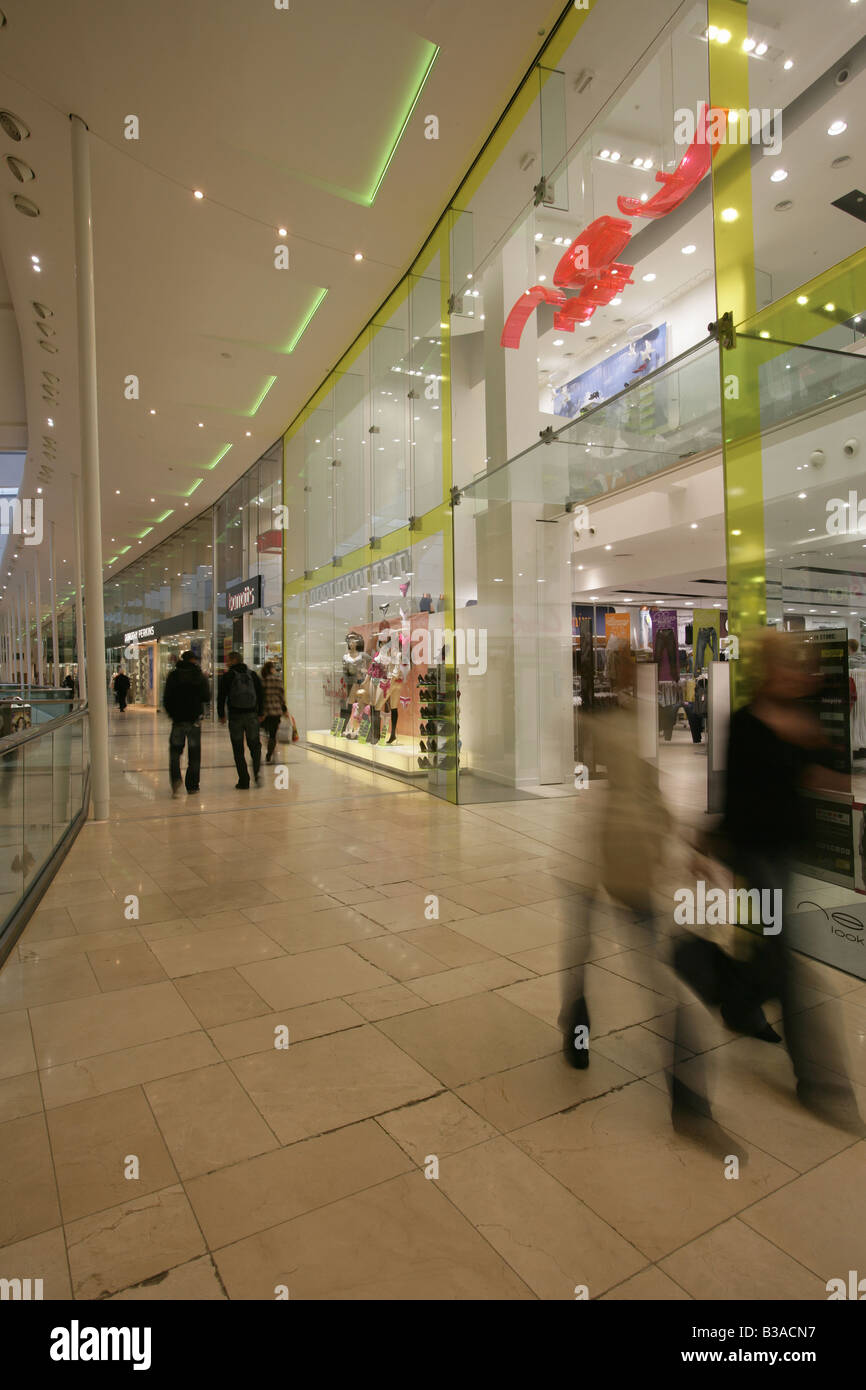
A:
<point x="275" y="705"/>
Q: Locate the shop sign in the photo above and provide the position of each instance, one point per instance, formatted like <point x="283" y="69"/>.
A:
<point x="270" y="542"/>
<point x="163" y="627"/>
<point x="243" y="598"/>
<point x="139" y="634"/>
<point x="591" y="264"/>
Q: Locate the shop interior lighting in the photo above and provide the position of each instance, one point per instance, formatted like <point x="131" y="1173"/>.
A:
<point x="837" y="128"/>
<point x="788" y="64"/>
<point x="778" y="176"/>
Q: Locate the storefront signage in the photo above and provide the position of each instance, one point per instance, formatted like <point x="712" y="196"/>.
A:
<point x="163" y="627"/>
<point x="591" y="263"/>
<point x="270" y="542"/>
<point x="393" y="567"/>
<point x="243" y="598"/>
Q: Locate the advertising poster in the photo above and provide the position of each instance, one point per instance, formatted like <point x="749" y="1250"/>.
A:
<point x="619" y="625"/>
<point x="613" y="375"/>
<point x="834" y="699"/>
<point x="706" y="634"/>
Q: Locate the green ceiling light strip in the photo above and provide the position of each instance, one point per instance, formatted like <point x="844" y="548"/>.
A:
<point x="306" y="323"/>
<point x="146" y="532"/>
<point x="125" y="548"/>
<point x="406" y="119"/>
<point x="221" y="455"/>
<point x="198" y="482"/>
<point x="165" y="516"/>
<point x="271" y="381"/>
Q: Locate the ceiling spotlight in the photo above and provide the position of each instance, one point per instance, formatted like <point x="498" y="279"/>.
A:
<point x="539" y="236"/>
<point x="788" y="64"/>
<point x="201" y="424"/>
<point x="694" y="526"/>
<point x="605" y="154"/>
<point x="608" y="547"/>
<point x="763" y="333"/>
<point x="648" y="164"/>
<point x="637" y="163"/>
<point x="837" y="128"/>
<point x="723" y="36"/>
<point x="249" y="434"/>
<point x="779" y="176"/>
<point x="748" y="45"/>
<point x="729" y="214"/>
<point x="117" y="492"/>
<point x="198" y="194"/>
<point x="761" y="50"/>
<point x="614" y="302"/>
<point x="153" y="412"/>
<point x="801" y="496"/>
<point x="614" y="156"/>
<point x="359" y="256"/>
<point x="689" y="250"/>
<point x="830" y="308"/>
<point x="558" y="342"/>
<point x="282" y="231"/>
<point x="650" y="275"/>
<point x="50" y="422"/>
<point x="802" y="299"/>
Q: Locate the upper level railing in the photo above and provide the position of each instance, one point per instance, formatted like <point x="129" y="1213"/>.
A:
<point x="44" y="792"/>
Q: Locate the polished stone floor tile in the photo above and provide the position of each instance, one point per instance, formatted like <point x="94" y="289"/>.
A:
<point x="214" y="950"/>
<point x="106" y="1149"/>
<point x="439" y="1126"/>
<point x="120" y="967"/>
<point x="547" y="1236"/>
<point x="130" y="1066"/>
<point x="16" y="1044"/>
<point x="207" y="1119"/>
<point x="312" y="976"/>
<point x="295" y="1025"/>
<point x="40" y="1257"/>
<point x="402" y="1240"/>
<point x="195" y="1282"/>
<point x="220" y="996"/>
<point x="28" y="1196"/>
<point x="322" y="1084"/>
<point x="20" y="1095"/>
<point x="469" y="1038"/>
<point x="820" y="1219"/>
<point x="620" y="1155"/>
<point x="136" y="1240"/>
<point x="734" y="1262"/>
<point x="261" y="1192"/>
<point x="78" y="1028"/>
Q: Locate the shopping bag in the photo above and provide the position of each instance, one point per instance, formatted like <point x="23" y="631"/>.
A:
<point x="294" y="729"/>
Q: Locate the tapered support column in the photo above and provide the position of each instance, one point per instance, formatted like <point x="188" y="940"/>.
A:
<point x="55" y="654"/>
<point x="91" y="498"/>
<point x="40" y="675"/>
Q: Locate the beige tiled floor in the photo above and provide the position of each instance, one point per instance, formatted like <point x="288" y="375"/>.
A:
<point x="280" y="1069"/>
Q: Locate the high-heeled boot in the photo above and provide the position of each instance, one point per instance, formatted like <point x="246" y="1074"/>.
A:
<point x="394" y="714"/>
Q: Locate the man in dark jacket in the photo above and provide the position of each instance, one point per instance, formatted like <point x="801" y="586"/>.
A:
<point x="242" y="695"/>
<point x="187" y="691"/>
<point x="121" y="689"/>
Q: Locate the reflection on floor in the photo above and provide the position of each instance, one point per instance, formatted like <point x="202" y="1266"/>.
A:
<point x="239" y="1050"/>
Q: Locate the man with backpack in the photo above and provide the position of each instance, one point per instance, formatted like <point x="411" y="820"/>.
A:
<point x="187" y="691"/>
<point x="241" y="694"/>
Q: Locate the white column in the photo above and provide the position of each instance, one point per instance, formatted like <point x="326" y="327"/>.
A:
<point x="79" y="606"/>
<point x="55" y="654"/>
<point x="88" y="410"/>
<point x="20" y="641"/>
<point x="39" y="666"/>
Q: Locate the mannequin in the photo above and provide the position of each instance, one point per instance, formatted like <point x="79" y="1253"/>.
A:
<point x="355" y="662"/>
<point x="379" y="679"/>
<point x="398" y="672"/>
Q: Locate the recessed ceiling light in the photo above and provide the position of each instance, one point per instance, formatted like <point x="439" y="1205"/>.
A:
<point x="802" y="496"/>
<point x="748" y="45"/>
<point x="802" y="299"/>
<point x="542" y="277"/>
<point x="605" y="154"/>
<point x="558" y="342"/>
<point x="638" y="163"/>
<point x="201" y="424"/>
<point x="723" y="36"/>
<point x="689" y="250"/>
<point x="614" y="156"/>
<point x="830" y="308"/>
<point x="198" y="194"/>
<point x="763" y="333"/>
<point x="779" y="176"/>
<point x="359" y="256"/>
<point x="538" y="237"/>
<point x="788" y="64"/>
<point x="650" y="275"/>
<point x="729" y="214"/>
<point x="153" y="412"/>
<point x="694" y="526"/>
<point x="760" y="50"/>
<point x="837" y="128"/>
<point x="614" y="302"/>
<point x="117" y="492"/>
<point x="249" y="435"/>
<point x="282" y="231"/>
<point x="608" y="547"/>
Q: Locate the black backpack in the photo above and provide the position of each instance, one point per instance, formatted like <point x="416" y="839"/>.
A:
<point x="242" y="695"/>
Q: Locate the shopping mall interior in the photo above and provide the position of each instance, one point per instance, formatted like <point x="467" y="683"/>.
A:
<point x="479" y="444"/>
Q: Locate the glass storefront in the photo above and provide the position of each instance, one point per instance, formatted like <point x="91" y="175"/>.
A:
<point x="577" y="433"/>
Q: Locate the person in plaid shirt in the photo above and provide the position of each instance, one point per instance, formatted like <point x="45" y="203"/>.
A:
<point x="275" y="705"/>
